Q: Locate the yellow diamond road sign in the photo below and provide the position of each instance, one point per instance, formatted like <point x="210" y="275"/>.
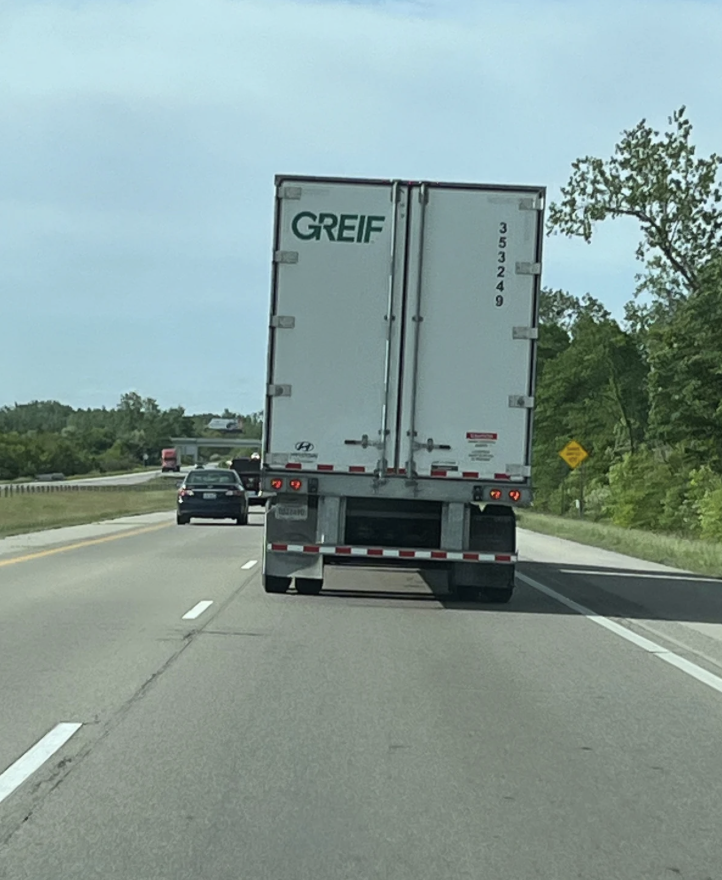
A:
<point x="574" y="454"/>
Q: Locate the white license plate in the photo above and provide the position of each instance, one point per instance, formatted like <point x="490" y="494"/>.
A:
<point x="291" y="511"/>
<point x="210" y="495"/>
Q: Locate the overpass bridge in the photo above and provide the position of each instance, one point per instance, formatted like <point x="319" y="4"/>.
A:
<point x="191" y="445"/>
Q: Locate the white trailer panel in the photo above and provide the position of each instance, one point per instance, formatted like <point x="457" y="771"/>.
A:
<point x="468" y="362"/>
<point x="330" y="365"/>
<point x="403" y="327"/>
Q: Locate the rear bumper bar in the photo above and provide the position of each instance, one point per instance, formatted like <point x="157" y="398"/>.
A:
<point x="394" y="553"/>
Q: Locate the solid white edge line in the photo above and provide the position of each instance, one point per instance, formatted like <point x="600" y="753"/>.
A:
<point x="642" y="574"/>
<point x="197" y="609"/>
<point x="250" y="564"/>
<point x="35" y="757"/>
<point x="686" y="666"/>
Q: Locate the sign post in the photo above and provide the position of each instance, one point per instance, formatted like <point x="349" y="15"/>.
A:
<point x="574" y="454"/>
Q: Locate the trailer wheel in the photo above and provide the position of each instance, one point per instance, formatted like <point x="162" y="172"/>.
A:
<point x="273" y="584"/>
<point x="496" y="595"/>
<point x="464" y="593"/>
<point x="308" y="586"/>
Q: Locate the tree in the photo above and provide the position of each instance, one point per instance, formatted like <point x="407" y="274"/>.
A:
<point x="686" y="372"/>
<point x="590" y="387"/>
<point x="673" y="194"/>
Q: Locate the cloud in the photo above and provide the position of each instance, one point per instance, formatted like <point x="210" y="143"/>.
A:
<point x="140" y="139"/>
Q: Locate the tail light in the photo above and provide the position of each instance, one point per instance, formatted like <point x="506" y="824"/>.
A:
<point x="235" y="492"/>
<point x="276" y="484"/>
<point x="185" y="492"/>
<point x="515" y="495"/>
<point x="495" y="494"/>
<point x="296" y="485"/>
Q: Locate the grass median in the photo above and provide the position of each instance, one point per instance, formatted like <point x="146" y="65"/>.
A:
<point x="702" y="557"/>
<point x="34" y="512"/>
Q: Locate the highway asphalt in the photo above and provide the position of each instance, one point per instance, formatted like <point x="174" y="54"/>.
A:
<point x="376" y="731"/>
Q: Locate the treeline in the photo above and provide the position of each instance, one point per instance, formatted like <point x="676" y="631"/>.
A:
<point x="47" y="436"/>
<point x="643" y="396"/>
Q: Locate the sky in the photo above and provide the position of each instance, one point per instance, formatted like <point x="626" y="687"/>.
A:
<point x="139" y="140"/>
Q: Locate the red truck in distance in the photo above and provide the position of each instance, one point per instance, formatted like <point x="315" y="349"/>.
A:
<point x="170" y="460"/>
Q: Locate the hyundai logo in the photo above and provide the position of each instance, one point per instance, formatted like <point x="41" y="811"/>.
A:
<point x="304" y="446"/>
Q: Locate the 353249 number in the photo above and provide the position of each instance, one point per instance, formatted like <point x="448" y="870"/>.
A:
<point x="501" y="263"/>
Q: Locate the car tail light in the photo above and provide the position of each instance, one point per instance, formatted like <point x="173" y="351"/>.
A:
<point x="296" y="485"/>
<point x="495" y="494"/>
<point x="515" y="495"/>
<point x="277" y="484"/>
<point x="235" y="492"/>
<point x="184" y="492"/>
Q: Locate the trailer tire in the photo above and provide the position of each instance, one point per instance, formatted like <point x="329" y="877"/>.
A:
<point x="464" y="593"/>
<point x="273" y="584"/>
<point x="308" y="586"/>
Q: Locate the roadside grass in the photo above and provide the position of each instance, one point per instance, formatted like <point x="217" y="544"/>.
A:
<point x="48" y="510"/>
<point x="701" y="557"/>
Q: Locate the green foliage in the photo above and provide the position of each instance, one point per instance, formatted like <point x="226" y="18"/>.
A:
<point x="658" y="180"/>
<point x="46" y="436"/>
<point x="685" y="378"/>
<point x="644" y="398"/>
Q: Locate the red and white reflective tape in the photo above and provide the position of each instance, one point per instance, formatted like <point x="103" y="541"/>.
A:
<point x="362" y="469"/>
<point x="351" y="469"/>
<point x="392" y="553"/>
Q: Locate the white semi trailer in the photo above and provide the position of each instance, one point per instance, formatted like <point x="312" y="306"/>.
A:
<point x="400" y="389"/>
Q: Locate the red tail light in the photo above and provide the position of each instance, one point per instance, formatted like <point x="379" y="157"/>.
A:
<point x="495" y="494"/>
<point x="235" y="492"/>
<point x="515" y="495"/>
<point x="184" y="492"/>
<point x="277" y="484"/>
<point x="296" y="485"/>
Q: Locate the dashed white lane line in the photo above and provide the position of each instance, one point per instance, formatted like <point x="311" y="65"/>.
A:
<point x="250" y="564"/>
<point x="35" y="757"/>
<point x="686" y="666"/>
<point x="198" y="609"/>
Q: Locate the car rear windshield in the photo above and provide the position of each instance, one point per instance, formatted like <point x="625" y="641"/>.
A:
<point x="208" y="478"/>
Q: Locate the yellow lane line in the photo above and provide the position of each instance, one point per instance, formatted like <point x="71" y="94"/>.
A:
<point x="89" y="543"/>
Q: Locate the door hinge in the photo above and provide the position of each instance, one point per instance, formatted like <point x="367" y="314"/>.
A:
<point x="289" y="192"/>
<point x="532" y="203"/>
<point x="278" y="391"/>
<point x="528" y="268"/>
<point x="283" y="322"/>
<point x="525" y="333"/>
<point x="285" y="257"/>
<point x="521" y="401"/>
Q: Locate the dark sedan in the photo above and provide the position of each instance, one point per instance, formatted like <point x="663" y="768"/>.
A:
<point x="212" y="493"/>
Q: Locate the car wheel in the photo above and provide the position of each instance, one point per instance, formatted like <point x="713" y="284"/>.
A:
<point x="182" y="520"/>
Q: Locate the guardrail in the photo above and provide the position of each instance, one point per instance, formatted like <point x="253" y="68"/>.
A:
<point x="11" y="491"/>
